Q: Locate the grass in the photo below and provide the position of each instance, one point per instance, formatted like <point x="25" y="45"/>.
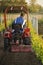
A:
<point x="2" y="26"/>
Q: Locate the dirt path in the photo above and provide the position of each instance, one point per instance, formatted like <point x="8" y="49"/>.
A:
<point x="19" y="58"/>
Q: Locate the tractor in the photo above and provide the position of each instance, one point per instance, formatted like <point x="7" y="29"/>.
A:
<point x="18" y="37"/>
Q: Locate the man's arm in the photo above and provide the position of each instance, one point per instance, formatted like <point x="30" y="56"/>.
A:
<point x="24" y="23"/>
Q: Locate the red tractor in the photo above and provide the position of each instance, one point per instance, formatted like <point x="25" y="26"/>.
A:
<point x="19" y="38"/>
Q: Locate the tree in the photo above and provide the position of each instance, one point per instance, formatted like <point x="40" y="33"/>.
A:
<point x="32" y="2"/>
<point x="32" y="6"/>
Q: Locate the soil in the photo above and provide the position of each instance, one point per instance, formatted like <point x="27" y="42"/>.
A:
<point x="17" y="58"/>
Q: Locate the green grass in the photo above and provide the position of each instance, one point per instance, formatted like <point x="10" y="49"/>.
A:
<point x="2" y="26"/>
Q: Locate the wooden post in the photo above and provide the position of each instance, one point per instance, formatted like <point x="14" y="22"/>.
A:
<point x="27" y="20"/>
<point x="5" y="20"/>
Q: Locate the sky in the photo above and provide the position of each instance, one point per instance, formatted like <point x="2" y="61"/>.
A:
<point x="37" y="1"/>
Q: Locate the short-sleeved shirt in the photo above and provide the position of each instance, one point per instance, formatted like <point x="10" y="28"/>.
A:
<point x="19" y="20"/>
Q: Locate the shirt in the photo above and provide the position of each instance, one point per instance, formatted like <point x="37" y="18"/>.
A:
<point x="19" y="20"/>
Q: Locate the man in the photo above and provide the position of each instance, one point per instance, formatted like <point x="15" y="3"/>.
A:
<point x="20" y="19"/>
<point x="17" y="27"/>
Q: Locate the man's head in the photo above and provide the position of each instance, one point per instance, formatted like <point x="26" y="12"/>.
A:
<point x="22" y="14"/>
